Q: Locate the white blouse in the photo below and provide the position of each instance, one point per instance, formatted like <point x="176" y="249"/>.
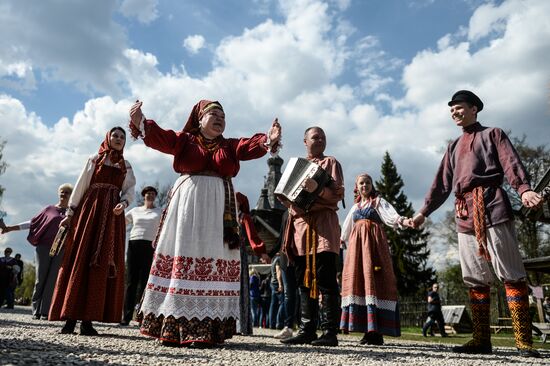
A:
<point x="83" y="181"/>
<point x="145" y="222"/>
<point x="386" y="212"/>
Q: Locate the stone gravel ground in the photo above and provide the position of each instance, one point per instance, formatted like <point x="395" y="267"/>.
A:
<point x="25" y="341"/>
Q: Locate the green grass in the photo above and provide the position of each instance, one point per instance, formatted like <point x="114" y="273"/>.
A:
<point x="502" y="339"/>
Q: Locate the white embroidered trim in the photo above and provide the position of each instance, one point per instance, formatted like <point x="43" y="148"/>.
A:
<point x="369" y="300"/>
<point x="187" y="306"/>
<point x="194" y="285"/>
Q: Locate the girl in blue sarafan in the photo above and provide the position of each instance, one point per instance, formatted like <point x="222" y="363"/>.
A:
<point x="369" y="287"/>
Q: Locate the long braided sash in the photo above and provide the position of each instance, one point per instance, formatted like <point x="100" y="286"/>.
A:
<point x="479" y="222"/>
<point x="310" y="275"/>
<point x="480" y="227"/>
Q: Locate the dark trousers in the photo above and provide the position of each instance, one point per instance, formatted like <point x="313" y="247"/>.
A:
<point x="139" y="260"/>
<point x="435" y="316"/>
<point x="326" y="265"/>
<point x="290" y="289"/>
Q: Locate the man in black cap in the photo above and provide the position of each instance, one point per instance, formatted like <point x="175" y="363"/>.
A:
<point x="474" y="167"/>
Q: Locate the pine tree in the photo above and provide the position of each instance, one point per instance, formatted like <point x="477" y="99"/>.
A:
<point x="408" y="247"/>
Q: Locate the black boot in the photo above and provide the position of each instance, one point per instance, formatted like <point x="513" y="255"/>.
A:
<point x="86" y="329"/>
<point x="329" y="322"/>
<point x="68" y="328"/>
<point x="425" y="328"/>
<point x="308" y="320"/>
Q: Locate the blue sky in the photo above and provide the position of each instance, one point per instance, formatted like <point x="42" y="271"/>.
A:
<point x="376" y="75"/>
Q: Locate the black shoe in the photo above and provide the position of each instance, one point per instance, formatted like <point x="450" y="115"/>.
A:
<point x="86" y="329"/>
<point x="69" y="326"/>
<point x="326" y="340"/>
<point x="375" y="339"/>
<point x="365" y="339"/>
<point x="44" y="317"/>
<point x="300" y="338"/>
<point x="36" y="316"/>
<point x="529" y="352"/>
<point x="472" y="348"/>
<point x="124" y="323"/>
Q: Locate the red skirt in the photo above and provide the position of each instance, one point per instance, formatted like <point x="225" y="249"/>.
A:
<point x="90" y="283"/>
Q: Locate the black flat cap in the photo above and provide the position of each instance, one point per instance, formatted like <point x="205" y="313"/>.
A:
<point x="468" y="97"/>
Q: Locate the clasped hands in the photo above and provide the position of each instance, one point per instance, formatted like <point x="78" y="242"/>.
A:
<point x="529" y="199"/>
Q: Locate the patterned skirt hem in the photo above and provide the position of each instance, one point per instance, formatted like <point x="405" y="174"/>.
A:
<point x="183" y="331"/>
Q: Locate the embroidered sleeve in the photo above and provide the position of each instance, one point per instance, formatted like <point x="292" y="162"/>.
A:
<point x="388" y="214"/>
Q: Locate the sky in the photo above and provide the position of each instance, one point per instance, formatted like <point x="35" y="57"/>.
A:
<point x="375" y="75"/>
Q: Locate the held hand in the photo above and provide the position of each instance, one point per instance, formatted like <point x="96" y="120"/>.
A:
<point x="7" y="229"/>
<point x="531" y="199"/>
<point x="135" y="113"/>
<point x="264" y="258"/>
<point x="310" y="185"/>
<point x="66" y="221"/>
<point x="408" y="222"/>
<point x="119" y="208"/>
<point x="342" y="244"/>
<point x="275" y="131"/>
<point x="418" y="220"/>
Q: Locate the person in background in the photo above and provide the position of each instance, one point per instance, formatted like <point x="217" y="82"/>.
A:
<point x="9" y="269"/>
<point x="42" y="230"/>
<point x="21" y="266"/>
<point x="248" y="237"/>
<point x="434" y="312"/>
<point x="255" y="299"/>
<point x="145" y="221"/>
<point x="277" y="306"/>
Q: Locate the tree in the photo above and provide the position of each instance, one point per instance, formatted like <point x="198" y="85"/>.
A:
<point x="533" y="236"/>
<point x="409" y="247"/>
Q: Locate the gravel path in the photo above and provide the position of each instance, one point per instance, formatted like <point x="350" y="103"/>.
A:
<point x="25" y="341"/>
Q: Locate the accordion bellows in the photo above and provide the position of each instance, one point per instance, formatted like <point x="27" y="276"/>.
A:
<point x="290" y="186"/>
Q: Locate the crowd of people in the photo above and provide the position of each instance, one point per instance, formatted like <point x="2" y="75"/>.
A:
<point x="188" y="280"/>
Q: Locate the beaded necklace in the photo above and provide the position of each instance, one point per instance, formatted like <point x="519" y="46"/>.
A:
<point x="209" y="145"/>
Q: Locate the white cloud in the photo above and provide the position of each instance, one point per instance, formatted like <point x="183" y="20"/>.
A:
<point x="194" y="43"/>
<point x="75" y="42"/>
<point x="291" y="69"/>
<point x="145" y="11"/>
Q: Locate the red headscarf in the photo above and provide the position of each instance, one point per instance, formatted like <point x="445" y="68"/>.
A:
<point x="357" y="195"/>
<point x="115" y="156"/>
<point x="197" y="112"/>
